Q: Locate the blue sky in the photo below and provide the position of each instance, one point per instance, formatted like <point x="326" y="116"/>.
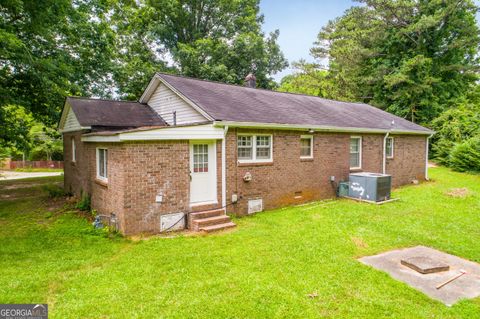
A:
<point x="299" y="23"/>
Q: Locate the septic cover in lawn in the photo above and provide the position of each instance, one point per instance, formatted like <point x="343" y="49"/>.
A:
<point x="439" y="275"/>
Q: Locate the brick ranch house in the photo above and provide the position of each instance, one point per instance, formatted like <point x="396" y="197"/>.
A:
<point x="202" y="149"/>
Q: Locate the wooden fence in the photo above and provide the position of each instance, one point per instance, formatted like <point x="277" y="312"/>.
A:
<point x="36" y="164"/>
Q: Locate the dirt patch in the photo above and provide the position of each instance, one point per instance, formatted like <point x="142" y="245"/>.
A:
<point x="458" y="192"/>
<point x="432" y="164"/>
<point x="26" y="185"/>
<point x="359" y="242"/>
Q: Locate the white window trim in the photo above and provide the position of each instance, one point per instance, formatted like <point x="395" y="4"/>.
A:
<point x="254" y="150"/>
<point x="359" y="151"/>
<point x="74" y="150"/>
<point x="311" y="145"/>
<point x="105" y="163"/>
<point x="393" y="148"/>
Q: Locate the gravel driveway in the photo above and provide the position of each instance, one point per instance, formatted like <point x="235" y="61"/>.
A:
<point x="8" y="175"/>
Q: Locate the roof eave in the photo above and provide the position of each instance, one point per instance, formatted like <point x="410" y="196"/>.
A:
<point x="318" y="128"/>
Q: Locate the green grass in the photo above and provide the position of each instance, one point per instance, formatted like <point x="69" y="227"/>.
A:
<point x="262" y="269"/>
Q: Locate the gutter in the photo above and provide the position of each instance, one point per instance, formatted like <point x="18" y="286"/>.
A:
<point x="224" y="169"/>
<point x="426" y="156"/>
<point x="384" y="152"/>
<point x="319" y="128"/>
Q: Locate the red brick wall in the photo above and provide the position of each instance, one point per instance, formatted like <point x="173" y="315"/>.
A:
<point x="372" y="153"/>
<point x="80" y="176"/>
<point x="108" y="198"/>
<point x="292" y="180"/>
<point x="138" y="171"/>
<point x="76" y="178"/>
<point x="408" y="160"/>
<point x="153" y="168"/>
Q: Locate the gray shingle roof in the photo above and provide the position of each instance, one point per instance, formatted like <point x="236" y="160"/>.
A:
<point x="224" y="102"/>
<point x="115" y="114"/>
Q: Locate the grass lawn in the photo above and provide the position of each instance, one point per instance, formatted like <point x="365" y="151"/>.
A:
<point x="263" y="269"/>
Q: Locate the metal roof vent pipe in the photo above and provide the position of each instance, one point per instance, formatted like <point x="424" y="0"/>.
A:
<point x="251" y="81"/>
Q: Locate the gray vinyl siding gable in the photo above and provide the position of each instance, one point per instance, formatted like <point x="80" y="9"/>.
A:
<point x="71" y="122"/>
<point x="164" y="101"/>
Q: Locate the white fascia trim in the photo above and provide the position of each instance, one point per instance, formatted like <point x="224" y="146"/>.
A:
<point x="101" y="138"/>
<point x="149" y="91"/>
<point x="195" y="132"/>
<point x="63" y="117"/>
<point x="152" y="85"/>
<point x="319" y="128"/>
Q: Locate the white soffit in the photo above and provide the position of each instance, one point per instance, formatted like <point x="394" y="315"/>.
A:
<point x="196" y="132"/>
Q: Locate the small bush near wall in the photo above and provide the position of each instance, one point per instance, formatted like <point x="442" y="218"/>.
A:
<point x="465" y="157"/>
<point x="84" y="203"/>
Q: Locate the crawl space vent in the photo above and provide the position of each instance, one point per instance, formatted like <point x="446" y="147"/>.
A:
<point x="171" y="222"/>
<point x="255" y="205"/>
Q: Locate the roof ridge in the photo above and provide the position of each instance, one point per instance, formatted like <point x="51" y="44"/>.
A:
<point x="256" y="88"/>
<point x="102" y="99"/>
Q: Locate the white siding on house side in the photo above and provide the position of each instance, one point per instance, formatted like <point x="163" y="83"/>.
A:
<point x="71" y="122"/>
<point x="164" y="101"/>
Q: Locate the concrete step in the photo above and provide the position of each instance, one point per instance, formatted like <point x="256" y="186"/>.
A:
<point x="222" y="219"/>
<point x="207" y="214"/>
<point x="217" y="227"/>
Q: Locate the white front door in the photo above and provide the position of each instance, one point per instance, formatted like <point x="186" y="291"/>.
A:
<point x="203" y="173"/>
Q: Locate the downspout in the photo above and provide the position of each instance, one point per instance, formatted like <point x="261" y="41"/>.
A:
<point x="384" y="153"/>
<point x="224" y="168"/>
<point x="426" y="157"/>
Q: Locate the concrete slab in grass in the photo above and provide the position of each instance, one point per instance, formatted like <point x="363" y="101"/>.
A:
<point x="466" y="286"/>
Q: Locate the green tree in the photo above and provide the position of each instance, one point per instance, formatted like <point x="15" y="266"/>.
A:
<point x="309" y="79"/>
<point x="216" y="39"/>
<point x="50" y="49"/>
<point x="15" y="126"/>
<point x="456" y="125"/>
<point x="411" y="58"/>
<point x="465" y="156"/>
<point x="45" y="143"/>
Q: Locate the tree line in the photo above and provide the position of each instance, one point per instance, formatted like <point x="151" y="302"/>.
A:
<point x="416" y="59"/>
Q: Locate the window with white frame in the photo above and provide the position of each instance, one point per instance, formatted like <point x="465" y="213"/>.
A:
<point x="245" y="147"/>
<point x="102" y="164"/>
<point x="74" y="150"/>
<point x="254" y="148"/>
<point x="389" y="147"/>
<point x="355" y="152"/>
<point x="306" y="146"/>
<point x="263" y="147"/>
<point x="200" y="158"/>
